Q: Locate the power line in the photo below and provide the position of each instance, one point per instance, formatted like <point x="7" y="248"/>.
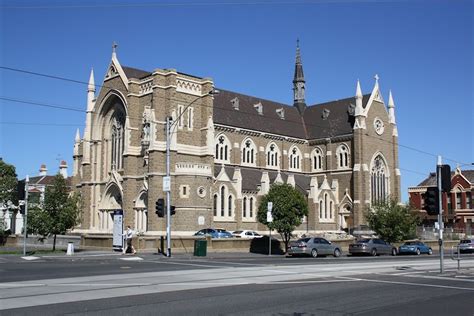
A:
<point x="192" y="4"/>
<point x="41" y="104"/>
<point x="177" y="100"/>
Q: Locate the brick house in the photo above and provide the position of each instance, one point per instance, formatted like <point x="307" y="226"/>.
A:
<point x="226" y="152"/>
<point x="458" y="205"/>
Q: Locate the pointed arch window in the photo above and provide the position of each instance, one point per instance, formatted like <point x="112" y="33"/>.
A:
<point x="272" y="156"/>
<point x="248" y="214"/>
<point x="248" y="152"/>
<point x="222" y="201"/>
<point x="222" y="153"/>
<point x="317" y="159"/>
<point x="326" y="209"/>
<point x="223" y="204"/>
<point x="343" y="157"/>
<point x="117" y="140"/>
<point x="379" y="180"/>
<point x="294" y="159"/>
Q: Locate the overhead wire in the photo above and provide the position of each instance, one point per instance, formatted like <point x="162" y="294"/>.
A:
<point x="175" y="100"/>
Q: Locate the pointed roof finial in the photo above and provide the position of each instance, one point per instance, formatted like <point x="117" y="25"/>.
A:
<point x="91" y="85"/>
<point x="78" y="137"/>
<point x="391" y="104"/>
<point x="114" y="49"/>
<point x="358" y="90"/>
<point x="298" y="54"/>
<point x="376" y="77"/>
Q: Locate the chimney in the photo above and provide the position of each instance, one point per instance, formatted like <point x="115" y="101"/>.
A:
<point x="43" y="170"/>
<point x="63" y="169"/>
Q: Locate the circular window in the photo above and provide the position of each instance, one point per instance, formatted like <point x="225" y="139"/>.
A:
<point x="378" y="126"/>
<point x="201" y="191"/>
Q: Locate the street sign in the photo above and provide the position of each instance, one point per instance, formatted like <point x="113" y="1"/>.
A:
<point x="167" y="184"/>
<point x="269" y="217"/>
<point x="270" y="206"/>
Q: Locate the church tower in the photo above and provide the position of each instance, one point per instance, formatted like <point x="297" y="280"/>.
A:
<point x="299" y="82"/>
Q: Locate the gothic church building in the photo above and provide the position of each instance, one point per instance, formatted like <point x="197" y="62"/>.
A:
<point x="227" y="149"/>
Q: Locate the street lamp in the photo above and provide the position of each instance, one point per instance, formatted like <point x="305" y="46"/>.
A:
<point x="167" y="178"/>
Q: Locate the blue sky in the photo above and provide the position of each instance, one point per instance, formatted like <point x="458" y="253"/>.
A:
<point x="422" y="50"/>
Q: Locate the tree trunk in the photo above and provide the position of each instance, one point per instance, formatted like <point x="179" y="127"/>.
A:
<point x="54" y="243"/>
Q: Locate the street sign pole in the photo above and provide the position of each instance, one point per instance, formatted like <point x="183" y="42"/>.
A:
<point x="25" y="216"/>
<point x="440" y="215"/>
<point x="269" y="220"/>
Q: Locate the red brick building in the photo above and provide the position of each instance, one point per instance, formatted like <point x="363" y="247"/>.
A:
<point x="458" y="205"/>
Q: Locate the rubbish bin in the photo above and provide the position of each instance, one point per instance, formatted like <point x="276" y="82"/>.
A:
<point x="200" y="247"/>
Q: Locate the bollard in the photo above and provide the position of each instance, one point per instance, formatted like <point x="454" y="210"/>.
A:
<point x="70" y="249"/>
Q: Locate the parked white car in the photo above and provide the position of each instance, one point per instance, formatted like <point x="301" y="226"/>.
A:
<point x="246" y="234"/>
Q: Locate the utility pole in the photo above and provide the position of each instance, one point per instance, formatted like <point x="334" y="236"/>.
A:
<point x="440" y="215"/>
<point x="168" y="189"/>
<point x="25" y="216"/>
<point x="167" y="178"/>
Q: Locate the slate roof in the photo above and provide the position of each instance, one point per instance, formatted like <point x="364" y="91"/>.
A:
<point x="338" y="122"/>
<point x="247" y="116"/>
<point x="311" y="125"/>
<point x="135" y="73"/>
<point x="431" y="180"/>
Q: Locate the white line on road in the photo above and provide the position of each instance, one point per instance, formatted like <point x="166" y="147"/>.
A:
<point x="412" y="284"/>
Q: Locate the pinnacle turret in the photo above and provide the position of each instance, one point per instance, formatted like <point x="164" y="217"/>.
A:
<point x="299" y="85"/>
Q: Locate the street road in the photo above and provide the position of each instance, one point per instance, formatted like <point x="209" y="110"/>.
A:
<point x="234" y="284"/>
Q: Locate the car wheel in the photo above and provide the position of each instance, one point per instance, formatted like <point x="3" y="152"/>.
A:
<point x="418" y="252"/>
<point x="430" y="251"/>
<point x="394" y="252"/>
<point x="337" y="253"/>
<point x="373" y="252"/>
<point x="314" y="253"/>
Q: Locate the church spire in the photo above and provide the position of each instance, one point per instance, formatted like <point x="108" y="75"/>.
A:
<point x="299" y="82"/>
<point x="391" y="108"/>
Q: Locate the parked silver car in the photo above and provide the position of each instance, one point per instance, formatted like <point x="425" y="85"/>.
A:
<point x="313" y="246"/>
<point x="373" y="247"/>
<point x="466" y="245"/>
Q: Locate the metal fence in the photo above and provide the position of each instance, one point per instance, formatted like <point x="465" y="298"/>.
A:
<point x="431" y="233"/>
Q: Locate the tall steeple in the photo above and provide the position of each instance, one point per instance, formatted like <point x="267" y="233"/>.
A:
<point x="299" y="82"/>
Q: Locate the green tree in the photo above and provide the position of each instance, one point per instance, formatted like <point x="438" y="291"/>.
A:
<point x="8" y="184"/>
<point x="289" y="208"/>
<point x="391" y="221"/>
<point x="59" y="212"/>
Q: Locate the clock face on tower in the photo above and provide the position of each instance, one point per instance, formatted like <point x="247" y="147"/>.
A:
<point x="378" y="126"/>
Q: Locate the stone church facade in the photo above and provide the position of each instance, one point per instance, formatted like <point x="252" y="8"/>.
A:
<point x="227" y="149"/>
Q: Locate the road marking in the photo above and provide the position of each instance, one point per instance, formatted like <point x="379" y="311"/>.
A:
<point x="183" y="264"/>
<point x="231" y="263"/>
<point x="412" y="284"/>
<point x="131" y="259"/>
<point x="30" y="258"/>
<point x="84" y="256"/>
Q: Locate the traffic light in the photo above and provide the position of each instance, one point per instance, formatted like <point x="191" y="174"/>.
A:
<point x="445" y="178"/>
<point x="160" y="207"/>
<point x="432" y="201"/>
<point x="172" y="211"/>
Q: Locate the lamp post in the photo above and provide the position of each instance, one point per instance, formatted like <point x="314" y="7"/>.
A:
<point x="167" y="179"/>
<point x="25" y="216"/>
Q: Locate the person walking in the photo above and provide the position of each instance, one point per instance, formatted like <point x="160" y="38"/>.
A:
<point x="128" y="240"/>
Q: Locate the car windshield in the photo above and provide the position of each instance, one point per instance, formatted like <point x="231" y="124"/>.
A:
<point x="238" y="232"/>
<point x="410" y="243"/>
<point x="465" y="241"/>
<point x="363" y="241"/>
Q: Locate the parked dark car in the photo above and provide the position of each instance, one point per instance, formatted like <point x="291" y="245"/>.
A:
<point x="313" y="246"/>
<point x="214" y="233"/>
<point x="373" y="247"/>
<point x="466" y="246"/>
<point x="414" y="248"/>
